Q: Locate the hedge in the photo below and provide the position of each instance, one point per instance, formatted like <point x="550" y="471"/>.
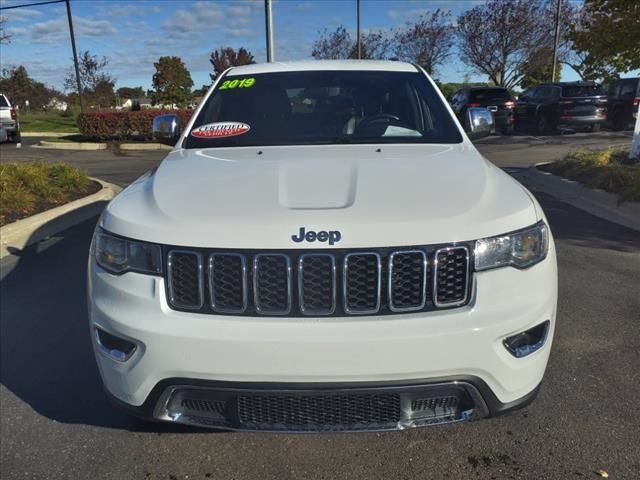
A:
<point x="110" y="125"/>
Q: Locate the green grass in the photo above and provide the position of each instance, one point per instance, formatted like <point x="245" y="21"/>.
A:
<point x="608" y="170"/>
<point x="60" y="122"/>
<point x="29" y="188"/>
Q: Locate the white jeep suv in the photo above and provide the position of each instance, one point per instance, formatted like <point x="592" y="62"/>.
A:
<point x="323" y="249"/>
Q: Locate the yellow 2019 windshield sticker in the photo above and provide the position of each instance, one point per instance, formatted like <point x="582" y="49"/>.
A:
<point x="238" y="83"/>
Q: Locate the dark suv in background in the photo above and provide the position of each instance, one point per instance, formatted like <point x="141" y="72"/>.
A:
<point x="497" y="99"/>
<point x="624" y="97"/>
<point x="551" y="105"/>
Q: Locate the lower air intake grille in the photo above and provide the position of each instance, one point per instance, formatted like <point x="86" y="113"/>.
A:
<point x="339" y="408"/>
<point x="318" y="412"/>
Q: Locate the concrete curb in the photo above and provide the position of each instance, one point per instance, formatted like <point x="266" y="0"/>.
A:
<point x="71" y="145"/>
<point x="48" y="134"/>
<point x="100" y="146"/>
<point x="596" y="202"/>
<point x="144" y="146"/>
<point x="25" y="232"/>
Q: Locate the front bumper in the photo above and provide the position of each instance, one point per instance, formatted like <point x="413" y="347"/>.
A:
<point x="458" y="345"/>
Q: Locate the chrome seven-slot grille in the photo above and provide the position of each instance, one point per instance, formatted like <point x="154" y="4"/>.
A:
<point x="318" y="283"/>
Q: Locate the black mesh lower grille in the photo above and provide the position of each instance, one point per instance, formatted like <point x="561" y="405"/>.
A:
<point x="452" y="275"/>
<point x="362" y="282"/>
<point x="318" y="412"/>
<point x="295" y="409"/>
<point x="185" y="280"/>
<point x="209" y="407"/>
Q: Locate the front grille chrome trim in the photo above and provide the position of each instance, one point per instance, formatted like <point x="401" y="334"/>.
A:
<point x="256" y="300"/>
<point x="392" y="255"/>
<point x="345" y="288"/>
<point x="245" y="286"/>
<point x="307" y="311"/>
<point x="455" y="303"/>
<point x="172" y="300"/>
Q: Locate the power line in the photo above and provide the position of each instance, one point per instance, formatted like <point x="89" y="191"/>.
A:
<point x="31" y="4"/>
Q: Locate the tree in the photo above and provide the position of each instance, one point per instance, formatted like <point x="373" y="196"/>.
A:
<point x="537" y="68"/>
<point x="103" y="94"/>
<point x="226" y="57"/>
<point x="607" y="38"/>
<point x="338" y="45"/>
<point x="172" y="82"/>
<point x="497" y="38"/>
<point x="427" y="41"/>
<point x="92" y="70"/>
<point x="5" y="37"/>
<point x="130" y="92"/>
<point x="16" y="83"/>
<point x="201" y="92"/>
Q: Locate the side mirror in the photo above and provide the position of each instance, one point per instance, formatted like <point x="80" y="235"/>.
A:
<point x="166" y="129"/>
<point x="479" y="123"/>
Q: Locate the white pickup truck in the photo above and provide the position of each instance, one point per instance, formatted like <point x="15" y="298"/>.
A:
<point x="9" y="120"/>
<point x="324" y="249"/>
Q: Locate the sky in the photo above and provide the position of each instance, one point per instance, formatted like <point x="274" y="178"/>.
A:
<point x="133" y="34"/>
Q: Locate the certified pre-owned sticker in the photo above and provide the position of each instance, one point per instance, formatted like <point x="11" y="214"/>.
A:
<point x="220" y="130"/>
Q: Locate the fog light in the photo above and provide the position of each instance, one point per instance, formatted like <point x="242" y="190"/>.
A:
<point x="114" y="347"/>
<point x="527" y="342"/>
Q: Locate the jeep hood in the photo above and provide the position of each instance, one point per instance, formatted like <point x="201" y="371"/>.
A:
<point x="375" y="195"/>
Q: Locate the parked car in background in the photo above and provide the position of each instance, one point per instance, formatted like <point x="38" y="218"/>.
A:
<point x="551" y="105"/>
<point x="9" y="119"/>
<point x="497" y="99"/>
<point x="623" y="101"/>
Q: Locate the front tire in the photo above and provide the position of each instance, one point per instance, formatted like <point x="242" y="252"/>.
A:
<point x="595" y="127"/>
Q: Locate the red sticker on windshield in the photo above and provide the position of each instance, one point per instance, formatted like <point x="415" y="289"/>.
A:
<point x="220" y="130"/>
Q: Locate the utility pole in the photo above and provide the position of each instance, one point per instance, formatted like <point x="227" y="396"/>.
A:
<point x="269" y="30"/>
<point x="359" y="43"/>
<point x="75" y="56"/>
<point x="555" y="42"/>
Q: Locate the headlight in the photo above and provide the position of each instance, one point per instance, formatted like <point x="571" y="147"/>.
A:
<point x="519" y="249"/>
<point x="118" y="255"/>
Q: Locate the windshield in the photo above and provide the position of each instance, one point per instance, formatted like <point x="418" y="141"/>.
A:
<point x="323" y="107"/>
<point x="582" y="91"/>
<point x="490" y="94"/>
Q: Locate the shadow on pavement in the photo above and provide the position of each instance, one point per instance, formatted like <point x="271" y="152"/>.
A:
<point x="46" y="357"/>
<point x="580" y="228"/>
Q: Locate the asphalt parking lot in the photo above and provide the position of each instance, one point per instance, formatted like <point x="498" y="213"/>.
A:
<point x="55" y="421"/>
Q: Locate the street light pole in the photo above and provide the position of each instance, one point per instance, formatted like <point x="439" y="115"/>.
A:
<point x="358" y="30"/>
<point x="555" y="42"/>
<point x="269" y="30"/>
<point x="75" y="56"/>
